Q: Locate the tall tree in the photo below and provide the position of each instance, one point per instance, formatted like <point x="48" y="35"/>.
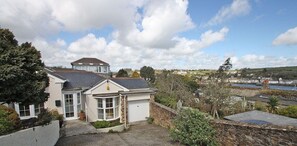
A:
<point x="215" y="92"/>
<point x="22" y="76"/>
<point x="122" y="73"/>
<point x="148" y="73"/>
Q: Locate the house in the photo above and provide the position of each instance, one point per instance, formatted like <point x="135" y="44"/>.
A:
<point x="101" y="98"/>
<point x="91" y="64"/>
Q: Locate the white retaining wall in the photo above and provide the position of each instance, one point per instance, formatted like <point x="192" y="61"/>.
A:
<point x="47" y="135"/>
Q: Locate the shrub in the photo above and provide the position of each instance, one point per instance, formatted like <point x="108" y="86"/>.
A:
<point x="56" y="116"/>
<point x="150" y="120"/>
<point x="260" y="106"/>
<point x="44" y="117"/>
<point x="192" y="127"/>
<point x="101" y="124"/>
<point x="290" y="111"/>
<point x="9" y="120"/>
<point x="166" y="100"/>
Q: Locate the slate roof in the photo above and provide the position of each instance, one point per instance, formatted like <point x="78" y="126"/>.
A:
<point x="89" y="62"/>
<point x="259" y="117"/>
<point x="131" y="83"/>
<point x="77" y="79"/>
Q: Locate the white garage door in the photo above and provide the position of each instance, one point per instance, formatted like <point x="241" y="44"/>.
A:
<point x="138" y="110"/>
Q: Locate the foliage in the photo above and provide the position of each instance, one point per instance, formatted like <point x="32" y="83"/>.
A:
<point x="166" y="100"/>
<point x="22" y="77"/>
<point x="135" y="74"/>
<point x="290" y="111"/>
<point x="150" y="120"/>
<point x="280" y="93"/>
<point x="105" y="124"/>
<point x="260" y="106"/>
<point x="273" y="103"/>
<point x="122" y="73"/>
<point x="192" y="127"/>
<point x="44" y="117"/>
<point x="148" y="73"/>
<point x="9" y="120"/>
<point x="56" y="116"/>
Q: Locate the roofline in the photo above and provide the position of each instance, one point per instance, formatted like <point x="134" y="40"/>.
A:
<point x="102" y="82"/>
<point x="60" y="80"/>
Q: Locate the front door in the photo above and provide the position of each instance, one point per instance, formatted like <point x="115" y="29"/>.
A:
<point x="69" y="106"/>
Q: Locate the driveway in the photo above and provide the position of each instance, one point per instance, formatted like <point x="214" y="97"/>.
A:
<point x="140" y="134"/>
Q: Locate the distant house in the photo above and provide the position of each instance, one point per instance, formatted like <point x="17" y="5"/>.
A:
<point x="91" y="64"/>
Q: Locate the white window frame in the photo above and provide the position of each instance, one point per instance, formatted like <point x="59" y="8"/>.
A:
<point x="31" y="109"/>
<point x="115" y="108"/>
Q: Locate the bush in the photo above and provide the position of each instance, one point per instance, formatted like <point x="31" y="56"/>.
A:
<point x="9" y="120"/>
<point x="260" y="106"/>
<point x="44" y="117"/>
<point x="290" y="111"/>
<point x="192" y="127"/>
<point x="150" y="120"/>
<point x="56" y="116"/>
<point x="101" y="124"/>
<point x="166" y="100"/>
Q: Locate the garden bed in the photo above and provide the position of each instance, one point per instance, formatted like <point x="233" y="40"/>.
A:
<point x="109" y="126"/>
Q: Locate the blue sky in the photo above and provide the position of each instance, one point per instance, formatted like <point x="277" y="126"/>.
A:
<point x="194" y="34"/>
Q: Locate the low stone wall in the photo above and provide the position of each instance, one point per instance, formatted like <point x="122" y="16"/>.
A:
<point x="162" y="115"/>
<point x="47" y="135"/>
<point x="231" y="133"/>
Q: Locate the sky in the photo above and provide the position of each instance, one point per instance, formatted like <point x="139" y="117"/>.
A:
<point x="167" y="34"/>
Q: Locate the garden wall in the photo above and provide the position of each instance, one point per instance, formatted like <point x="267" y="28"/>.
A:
<point x="231" y="133"/>
<point x="46" y="135"/>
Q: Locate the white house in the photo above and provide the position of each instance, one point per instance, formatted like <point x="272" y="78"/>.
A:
<point x="91" y="64"/>
<point x="101" y="98"/>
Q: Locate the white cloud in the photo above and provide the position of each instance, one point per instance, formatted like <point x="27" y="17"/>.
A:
<point x="236" y="8"/>
<point x="89" y="43"/>
<point x="287" y="38"/>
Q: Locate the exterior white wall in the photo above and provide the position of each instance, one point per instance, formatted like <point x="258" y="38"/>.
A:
<point x="102" y="89"/>
<point x="91" y="108"/>
<point x="55" y="91"/>
<point x="133" y="97"/>
<point x="41" y="135"/>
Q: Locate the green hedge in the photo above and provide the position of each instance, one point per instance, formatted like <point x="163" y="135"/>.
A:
<point x="290" y="111"/>
<point x="9" y="120"/>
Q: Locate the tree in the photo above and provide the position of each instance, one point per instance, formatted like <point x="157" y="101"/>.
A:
<point x="122" y="73"/>
<point x="192" y="127"/>
<point x="215" y="93"/>
<point x="148" y="73"/>
<point x="135" y="74"/>
<point x="273" y="103"/>
<point x="22" y="75"/>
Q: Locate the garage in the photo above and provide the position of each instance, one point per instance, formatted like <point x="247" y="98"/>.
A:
<point x="138" y="110"/>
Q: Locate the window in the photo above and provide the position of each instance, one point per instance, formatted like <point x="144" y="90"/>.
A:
<point x="38" y="108"/>
<point x="108" y="108"/>
<point x="24" y="110"/>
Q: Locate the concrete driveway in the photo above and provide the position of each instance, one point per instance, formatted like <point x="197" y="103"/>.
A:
<point x="140" y="134"/>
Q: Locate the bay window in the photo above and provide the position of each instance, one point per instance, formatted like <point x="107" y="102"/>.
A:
<point x="108" y="108"/>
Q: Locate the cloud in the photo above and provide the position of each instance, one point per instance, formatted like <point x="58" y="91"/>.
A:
<point x="287" y="38"/>
<point x="236" y="8"/>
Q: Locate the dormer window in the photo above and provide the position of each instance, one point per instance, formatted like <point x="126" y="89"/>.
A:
<point x="80" y="63"/>
<point x="91" y="64"/>
<point x="101" y="63"/>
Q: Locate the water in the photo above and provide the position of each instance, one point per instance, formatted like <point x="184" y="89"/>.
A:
<point x="278" y="87"/>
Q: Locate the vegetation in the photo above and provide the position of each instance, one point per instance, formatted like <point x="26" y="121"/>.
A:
<point x="122" y="73"/>
<point x="171" y="88"/>
<point x="192" y="127"/>
<point x="56" y="116"/>
<point x="135" y="74"/>
<point x="279" y="93"/>
<point x="148" y="73"/>
<point x="44" y="117"/>
<point x="22" y="77"/>
<point x="272" y="104"/>
<point x="290" y="111"/>
<point x="106" y="124"/>
<point x="150" y="120"/>
<point x="9" y="120"/>
<point x="215" y="94"/>
<point x="260" y="106"/>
